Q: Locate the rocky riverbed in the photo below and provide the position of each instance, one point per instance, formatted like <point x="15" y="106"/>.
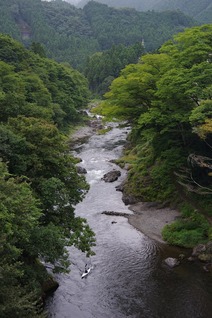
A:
<point x="147" y="218"/>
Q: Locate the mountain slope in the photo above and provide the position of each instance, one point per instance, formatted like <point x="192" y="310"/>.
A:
<point x="72" y="35"/>
<point x="200" y="10"/>
<point x="140" y="5"/>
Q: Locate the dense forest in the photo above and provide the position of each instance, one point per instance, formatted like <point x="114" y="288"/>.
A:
<point x="162" y="89"/>
<point x="39" y="185"/>
<point x="167" y="98"/>
<point x="72" y="35"/>
<point x="199" y="10"/>
<point x="103" y="67"/>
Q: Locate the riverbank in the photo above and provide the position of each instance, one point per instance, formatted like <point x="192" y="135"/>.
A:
<point x="150" y="220"/>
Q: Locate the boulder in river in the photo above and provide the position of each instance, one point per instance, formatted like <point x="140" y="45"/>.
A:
<point x="111" y="176"/>
<point x="81" y="170"/>
<point x="172" y="262"/>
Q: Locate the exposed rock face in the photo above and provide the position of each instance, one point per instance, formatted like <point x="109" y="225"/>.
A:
<point x="111" y="176"/>
<point x="129" y="199"/>
<point x="172" y="262"/>
<point x="120" y="187"/>
<point x="126" y="198"/>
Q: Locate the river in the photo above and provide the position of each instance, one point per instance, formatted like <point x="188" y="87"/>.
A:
<point x="128" y="276"/>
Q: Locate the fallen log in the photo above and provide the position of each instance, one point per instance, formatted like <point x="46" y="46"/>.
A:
<point x="113" y="213"/>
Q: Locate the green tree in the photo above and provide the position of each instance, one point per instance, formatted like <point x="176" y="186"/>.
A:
<point x="38" y="99"/>
<point x="167" y="98"/>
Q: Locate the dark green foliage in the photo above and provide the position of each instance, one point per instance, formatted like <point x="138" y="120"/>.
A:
<point x="72" y="35"/>
<point x="167" y="98"/>
<point x="187" y="232"/>
<point x="39" y="184"/>
<point x="200" y="10"/>
<point x="38" y="87"/>
<point x="37" y="48"/>
<point x="126" y="26"/>
<point x="19" y="217"/>
<point x="102" y="68"/>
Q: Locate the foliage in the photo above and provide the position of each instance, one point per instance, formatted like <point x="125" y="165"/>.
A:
<point x="167" y="98"/>
<point x="187" y="232"/>
<point x="103" y="67"/>
<point x="19" y="217"/>
<point x="68" y="34"/>
<point x="39" y="184"/>
<point x="200" y="10"/>
<point x="38" y="87"/>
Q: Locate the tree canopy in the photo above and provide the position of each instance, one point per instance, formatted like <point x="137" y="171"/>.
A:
<point x="39" y="184"/>
<point x="69" y="34"/>
<point x="167" y="98"/>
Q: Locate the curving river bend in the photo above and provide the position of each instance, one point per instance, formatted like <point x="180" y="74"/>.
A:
<point x="129" y="278"/>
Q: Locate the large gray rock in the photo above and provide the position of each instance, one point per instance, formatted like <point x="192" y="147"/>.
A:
<point x="172" y="262"/>
<point x="111" y="176"/>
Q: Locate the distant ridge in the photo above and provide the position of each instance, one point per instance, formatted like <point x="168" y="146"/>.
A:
<point x="201" y="10"/>
<point x="69" y="34"/>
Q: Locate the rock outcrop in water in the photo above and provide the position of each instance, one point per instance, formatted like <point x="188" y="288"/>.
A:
<point x="111" y="176"/>
<point x="172" y="262"/>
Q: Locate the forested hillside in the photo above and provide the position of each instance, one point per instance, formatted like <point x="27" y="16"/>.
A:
<point x="71" y="35"/>
<point x="199" y="10"/>
<point x="39" y="185"/>
<point x="167" y="99"/>
<point x="103" y="67"/>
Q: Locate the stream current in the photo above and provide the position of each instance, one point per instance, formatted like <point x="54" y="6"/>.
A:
<point x="128" y="276"/>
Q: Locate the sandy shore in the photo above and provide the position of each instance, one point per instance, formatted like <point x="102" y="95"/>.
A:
<point x="150" y="220"/>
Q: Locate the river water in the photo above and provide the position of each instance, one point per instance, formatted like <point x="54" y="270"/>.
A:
<point x="128" y="276"/>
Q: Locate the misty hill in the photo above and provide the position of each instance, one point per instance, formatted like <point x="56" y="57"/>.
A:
<point x="72" y="34"/>
<point x="199" y="10"/>
<point x="140" y="5"/>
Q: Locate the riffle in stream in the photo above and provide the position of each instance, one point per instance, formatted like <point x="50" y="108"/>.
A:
<point x="129" y="277"/>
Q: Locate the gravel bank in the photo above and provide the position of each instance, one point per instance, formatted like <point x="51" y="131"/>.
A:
<point x="150" y="220"/>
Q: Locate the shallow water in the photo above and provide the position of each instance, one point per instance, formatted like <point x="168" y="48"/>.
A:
<point x="129" y="277"/>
